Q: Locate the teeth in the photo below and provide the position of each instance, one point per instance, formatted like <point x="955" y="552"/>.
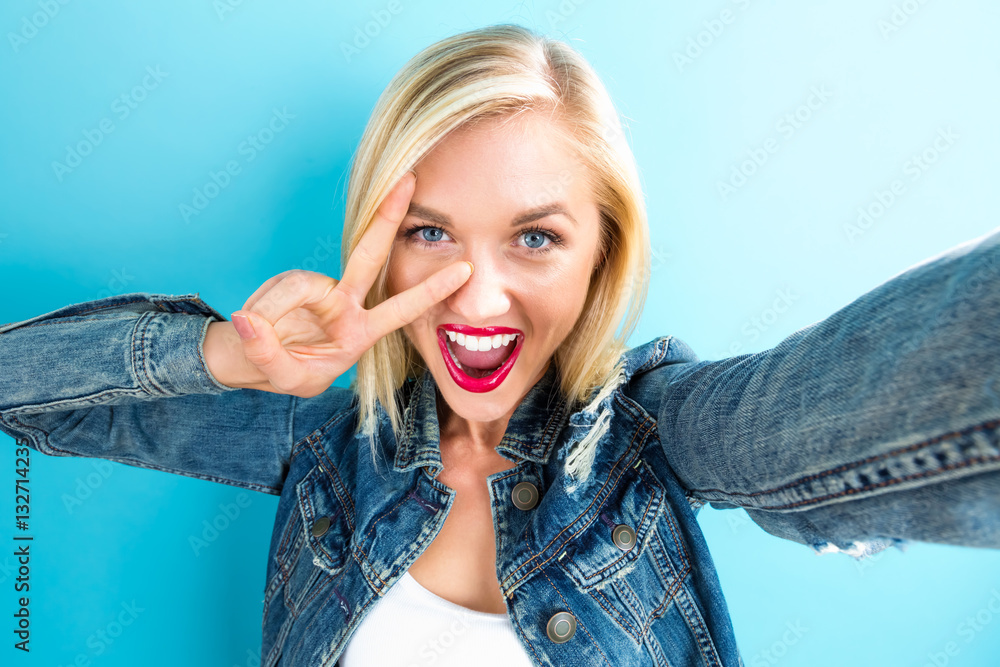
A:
<point x="480" y="343"/>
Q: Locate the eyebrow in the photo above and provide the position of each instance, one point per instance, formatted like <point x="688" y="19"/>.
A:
<point x="429" y="214"/>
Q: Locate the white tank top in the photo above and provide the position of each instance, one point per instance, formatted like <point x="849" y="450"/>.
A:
<point x="412" y="627"/>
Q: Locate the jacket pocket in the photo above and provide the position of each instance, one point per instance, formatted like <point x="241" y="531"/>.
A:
<point x="629" y="559"/>
<point x="314" y="546"/>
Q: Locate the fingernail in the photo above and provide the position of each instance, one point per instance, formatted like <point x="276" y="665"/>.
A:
<point x="472" y="267"/>
<point x="244" y="327"/>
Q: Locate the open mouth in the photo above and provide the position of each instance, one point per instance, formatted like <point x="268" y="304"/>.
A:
<point x="479" y="359"/>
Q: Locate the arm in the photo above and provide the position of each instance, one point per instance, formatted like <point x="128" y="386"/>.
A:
<point x="880" y="422"/>
<point x="125" y="378"/>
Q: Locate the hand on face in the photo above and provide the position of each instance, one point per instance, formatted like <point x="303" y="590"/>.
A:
<point x="308" y="328"/>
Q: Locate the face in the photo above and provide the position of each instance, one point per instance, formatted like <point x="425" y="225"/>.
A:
<point x="514" y="201"/>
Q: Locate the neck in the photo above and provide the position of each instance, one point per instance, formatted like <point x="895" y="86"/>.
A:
<point x="475" y="436"/>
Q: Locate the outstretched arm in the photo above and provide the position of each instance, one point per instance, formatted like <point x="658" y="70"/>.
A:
<point x="124" y="378"/>
<point x="881" y="422"/>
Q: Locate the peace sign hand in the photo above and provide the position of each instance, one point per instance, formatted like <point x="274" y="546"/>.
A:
<point x="306" y="329"/>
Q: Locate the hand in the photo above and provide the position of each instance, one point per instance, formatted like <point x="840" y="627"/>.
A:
<point x="307" y="329"/>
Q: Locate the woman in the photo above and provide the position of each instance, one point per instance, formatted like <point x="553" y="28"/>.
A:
<point x="506" y="482"/>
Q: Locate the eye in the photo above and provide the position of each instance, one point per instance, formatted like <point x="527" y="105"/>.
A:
<point x="539" y="239"/>
<point x="431" y="234"/>
<point x="534" y="240"/>
<point x="426" y="235"/>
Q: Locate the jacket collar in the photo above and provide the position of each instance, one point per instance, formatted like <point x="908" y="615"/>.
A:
<point x="532" y="431"/>
<point x="537" y="422"/>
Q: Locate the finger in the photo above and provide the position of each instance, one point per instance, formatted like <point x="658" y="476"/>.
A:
<point x="294" y="289"/>
<point x="369" y="256"/>
<point x="260" y="291"/>
<point x="267" y="354"/>
<point x="407" y="306"/>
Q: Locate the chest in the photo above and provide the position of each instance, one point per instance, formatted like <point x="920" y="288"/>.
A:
<point x="460" y="563"/>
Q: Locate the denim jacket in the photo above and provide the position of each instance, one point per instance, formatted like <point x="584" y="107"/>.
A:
<point x="875" y="425"/>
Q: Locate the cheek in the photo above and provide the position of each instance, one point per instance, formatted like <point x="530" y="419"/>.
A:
<point x="404" y="272"/>
<point x="557" y="297"/>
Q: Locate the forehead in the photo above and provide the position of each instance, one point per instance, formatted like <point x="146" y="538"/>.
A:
<point x="503" y="162"/>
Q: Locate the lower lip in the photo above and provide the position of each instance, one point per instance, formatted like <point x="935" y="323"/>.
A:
<point x="477" y="385"/>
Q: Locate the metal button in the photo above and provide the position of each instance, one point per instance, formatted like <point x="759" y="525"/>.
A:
<point x="525" y="496"/>
<point x="623" y="536"/>
<point x="320" y="526"/>
<point x="561" y="627"/>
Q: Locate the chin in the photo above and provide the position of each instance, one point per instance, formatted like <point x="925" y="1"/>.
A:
<point x="478" y="407"/>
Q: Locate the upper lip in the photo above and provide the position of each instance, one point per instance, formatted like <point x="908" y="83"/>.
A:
<point x="477" y="331"/>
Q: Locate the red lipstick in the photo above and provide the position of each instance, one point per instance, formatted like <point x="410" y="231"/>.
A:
<point x="491" y="381"/>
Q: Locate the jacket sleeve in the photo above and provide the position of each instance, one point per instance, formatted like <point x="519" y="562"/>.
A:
<point x="879" y="423"/>
<point x="124" y="378"/>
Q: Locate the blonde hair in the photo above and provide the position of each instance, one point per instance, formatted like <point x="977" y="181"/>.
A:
<point x="502" y="71"/>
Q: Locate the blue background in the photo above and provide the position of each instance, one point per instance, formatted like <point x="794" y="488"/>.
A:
<point x="113" y="224"/>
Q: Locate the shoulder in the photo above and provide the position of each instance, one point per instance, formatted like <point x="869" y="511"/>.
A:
<point x="652" y="366"/>
<point x="334" y="409"/>
<point x="658" y="352"/>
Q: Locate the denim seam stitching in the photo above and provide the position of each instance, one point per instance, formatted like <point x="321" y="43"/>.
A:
<point x="670" y="589"/>
<point x="639" y="429"/>
<point x="326" y="602"/>
<point x="624" y="555"/>
<point x="139" y="354"/>
<point x="579" y="622"/>
<point x="990" y="425"/>
<point x="524" y="637"/>
<point x="614" y="613"/>
<point x="703" y="637"/>
<point x="342" y="496"/>
<point x="310" y="489"/>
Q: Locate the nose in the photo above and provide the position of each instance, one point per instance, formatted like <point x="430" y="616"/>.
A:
<point x="485" y="295"/>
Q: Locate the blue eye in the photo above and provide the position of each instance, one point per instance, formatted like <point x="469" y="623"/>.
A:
<point x="431" y="234"/>
<point x="534" y="240"/>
